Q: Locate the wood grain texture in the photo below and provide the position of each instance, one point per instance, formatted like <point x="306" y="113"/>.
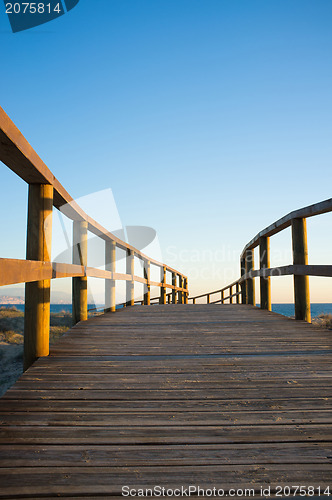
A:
<point x="225" y="396"/>
<point x="80" y="284"/>
<point x="38" y="293"/>
<point x="300" y="257"/>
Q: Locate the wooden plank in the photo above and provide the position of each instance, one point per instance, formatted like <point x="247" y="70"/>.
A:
<point x="19" y="455"/>
<point x="300" y="270"/>
<point x="149" y="405"/>
<point x="164" y="394"/>
<point x="121" y="435"/>
<point x="215" y="291"/>
<point x="171" y="419"/>
<point x="14" y="271"/>
<point x="76" y="481"/>
<point x="67" y="270"/>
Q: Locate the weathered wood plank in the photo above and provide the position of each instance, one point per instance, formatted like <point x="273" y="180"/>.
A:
<point x="75" y="480"/>
<point x="131" y="455"/>
<point x="203" y="405"/>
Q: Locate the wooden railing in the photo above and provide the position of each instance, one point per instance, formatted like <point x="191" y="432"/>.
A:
<point x="231" y="296"/>
<point x="45" y="192"/>
<point x="245" y="286"/>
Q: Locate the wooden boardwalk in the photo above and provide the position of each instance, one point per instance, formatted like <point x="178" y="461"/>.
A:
<point x="217" y="396"/>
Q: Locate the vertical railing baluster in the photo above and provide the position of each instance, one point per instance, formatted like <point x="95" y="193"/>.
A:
<point x="174" y="291"/>
<point x="243" y="283"/>
<point x="230" y="295"/>
<point x="250" y="281"/>
<point x="130" y="285"/>
<point x="265" y="282"/>
<point x="300" y="257"/>
<point x="237" y="293"/>
<point x="180" y="293"/>
<point x="147" y="294"/>
<point x="80" y="284"/>
<point x="162" y="299"/>
<point x="37" y="293"/>
<point x="110" y="259"/>
<point x="186" y="292"/>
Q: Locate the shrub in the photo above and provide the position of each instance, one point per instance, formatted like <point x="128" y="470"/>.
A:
<point x="11" y="337"/>
<point x="323" y="321"/>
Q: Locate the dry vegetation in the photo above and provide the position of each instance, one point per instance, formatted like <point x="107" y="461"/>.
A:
<point x="11" y="342"/>
<point x="324" y="321"/>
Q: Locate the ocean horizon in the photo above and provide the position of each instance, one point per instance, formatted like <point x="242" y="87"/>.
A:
<point x="284" y="309"/>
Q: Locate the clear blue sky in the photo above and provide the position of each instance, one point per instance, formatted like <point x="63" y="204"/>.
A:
<point x="209" y="119"/>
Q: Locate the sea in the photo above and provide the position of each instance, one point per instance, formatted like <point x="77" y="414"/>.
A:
<point x="289" y="310"/>
<point x="56" y="308"/>
<point x="284" y="309"/>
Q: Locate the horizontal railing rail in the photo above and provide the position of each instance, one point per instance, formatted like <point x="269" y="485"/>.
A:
<point x="222" y="291"/>
<point x="46" y="192"/>
<point x="300" y="269"/>
<point x="303" y="213"/>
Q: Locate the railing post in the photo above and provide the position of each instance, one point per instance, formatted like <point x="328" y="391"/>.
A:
<point x="230" y="295"/>
<point x="130" y="285"/>
<point x="110" y="259"/>
<point x="208" y="298"/>
<point x="80" y="285"/>
<point x="194" y="301"/>
<point x="265" y="283"/>
<point x="300" y="257"/>
<point x="147" y="294"/>
<point x="244" y="283"/>
<point x="222" y="296"/>
<point x="174" y="291"/>
<point x="180" y="293"/>
<point x="186" y="293"/>
<point x="37" y="294"/>
<point x="250" y="288"/>
<point x="237" y="291"/>
<point x="162" y="299"/>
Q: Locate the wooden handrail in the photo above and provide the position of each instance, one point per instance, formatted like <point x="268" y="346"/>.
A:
<point x="215" y="291"/>
<point x="19" y="156"/>
<point x="300" y="268"/>
<point x="303" y="213"/>
<point x="45" y="191"/>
